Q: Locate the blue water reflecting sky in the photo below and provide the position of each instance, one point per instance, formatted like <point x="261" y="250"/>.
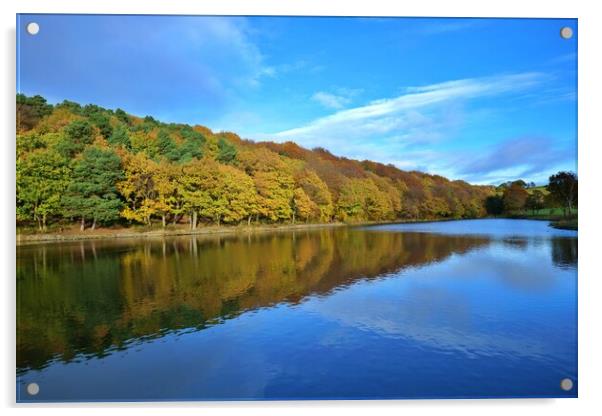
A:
<point x="498" y="320"/>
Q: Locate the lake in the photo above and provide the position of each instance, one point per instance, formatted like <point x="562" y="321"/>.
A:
<point x="476" y="308"/>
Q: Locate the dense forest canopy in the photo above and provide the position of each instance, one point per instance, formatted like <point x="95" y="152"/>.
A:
<point x="96" y="166"/>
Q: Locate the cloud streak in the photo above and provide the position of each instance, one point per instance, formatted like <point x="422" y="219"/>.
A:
<point x="419" y="130"/>
<point x="527" y="157"/>
<point x="329" y="100"/>
<point x="391" y="130"/>
<point x="337" y="100"/>
<point x="400" y="115"/>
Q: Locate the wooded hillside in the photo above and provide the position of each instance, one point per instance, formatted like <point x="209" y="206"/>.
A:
<point x="99" y="166"/>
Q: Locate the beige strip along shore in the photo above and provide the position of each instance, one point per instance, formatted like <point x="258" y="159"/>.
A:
<point x="23" y="239"/>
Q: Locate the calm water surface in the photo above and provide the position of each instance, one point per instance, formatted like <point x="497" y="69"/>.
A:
<point x="481" y="308"/>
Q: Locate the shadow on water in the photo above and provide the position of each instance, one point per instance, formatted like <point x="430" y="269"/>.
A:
<point x="91" y="298"/>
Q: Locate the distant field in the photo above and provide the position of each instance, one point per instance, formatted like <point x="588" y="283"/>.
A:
<point x="547" y="212"/>
<point x="542" y="189"/>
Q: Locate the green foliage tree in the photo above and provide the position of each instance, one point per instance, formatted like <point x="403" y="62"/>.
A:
<point x="77" y="135"/>
<point x="70" y="106"/>
<point x="535" y="201"/>
<point x="30" y="110"/>
<point x="563" y="188"/>
<point x="92" y="193"/>
<point x="122" y="116"/>
<point x="494" y="205"/>
<point x="192" y="147"/>
<point x="103" y="123"/>
<point x="226" y="151"/>
<point x="167" y="147"/>
<point x="120" y="137"/>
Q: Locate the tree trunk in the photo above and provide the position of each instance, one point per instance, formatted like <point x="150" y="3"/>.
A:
<point x="163" y="220"/>
<point x="94" y="224"/>
<point x="194" y="219"/>
<point x="44" y="222"/>
<point x="293" y="216"/>
<point x="219" y="220"/>
<point x="249" y="221"/>
<point x="82" y="225"/>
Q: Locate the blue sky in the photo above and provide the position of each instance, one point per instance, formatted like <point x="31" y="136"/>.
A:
<point x="484" y="100"/>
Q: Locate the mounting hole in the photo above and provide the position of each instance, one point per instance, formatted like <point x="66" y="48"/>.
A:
<point x="33" y="389"/>
<point x="566" y="32"/>
<point x="566" y="384"/>
<point x="33" y="28"/>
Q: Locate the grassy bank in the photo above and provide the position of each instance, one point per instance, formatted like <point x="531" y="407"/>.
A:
<point x="554" y="215"/>
<point x="565" y="224"/>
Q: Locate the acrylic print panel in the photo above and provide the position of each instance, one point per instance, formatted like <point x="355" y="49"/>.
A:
<point x="269" y="208"/>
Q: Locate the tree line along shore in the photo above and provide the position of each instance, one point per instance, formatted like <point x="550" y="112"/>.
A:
<point x="88" y="168"/>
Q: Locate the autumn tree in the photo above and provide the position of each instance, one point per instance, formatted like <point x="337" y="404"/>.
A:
<point x="42" y="177"/>
<point x="350" y="205"/>
<point x="318" y="193"/>
<point x="167" y="200"/>
<point x="303" y="207"/>
<point x="274" y="182"/>
<point x="193" y="181"/>
<point x="170" y="170"/>
<point x="233" y="197"/>
<point x="138" y="188"/>
<point x="515" y="197"/>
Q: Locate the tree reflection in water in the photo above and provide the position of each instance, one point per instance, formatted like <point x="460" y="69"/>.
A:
<point x="90" y="298"/>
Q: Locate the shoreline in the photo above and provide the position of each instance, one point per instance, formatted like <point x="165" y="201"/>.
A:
<point x="108" y="234"/>
<point x="560" y="223"/>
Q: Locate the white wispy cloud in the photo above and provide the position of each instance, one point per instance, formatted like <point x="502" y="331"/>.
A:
<point x="340" y="98"/>
<point x="445" y="26"/>
<point x="522" y="157"/>
<point x="329" y="100"/>
<point x="421" y="114"/>
<point x="398" y="130"/>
